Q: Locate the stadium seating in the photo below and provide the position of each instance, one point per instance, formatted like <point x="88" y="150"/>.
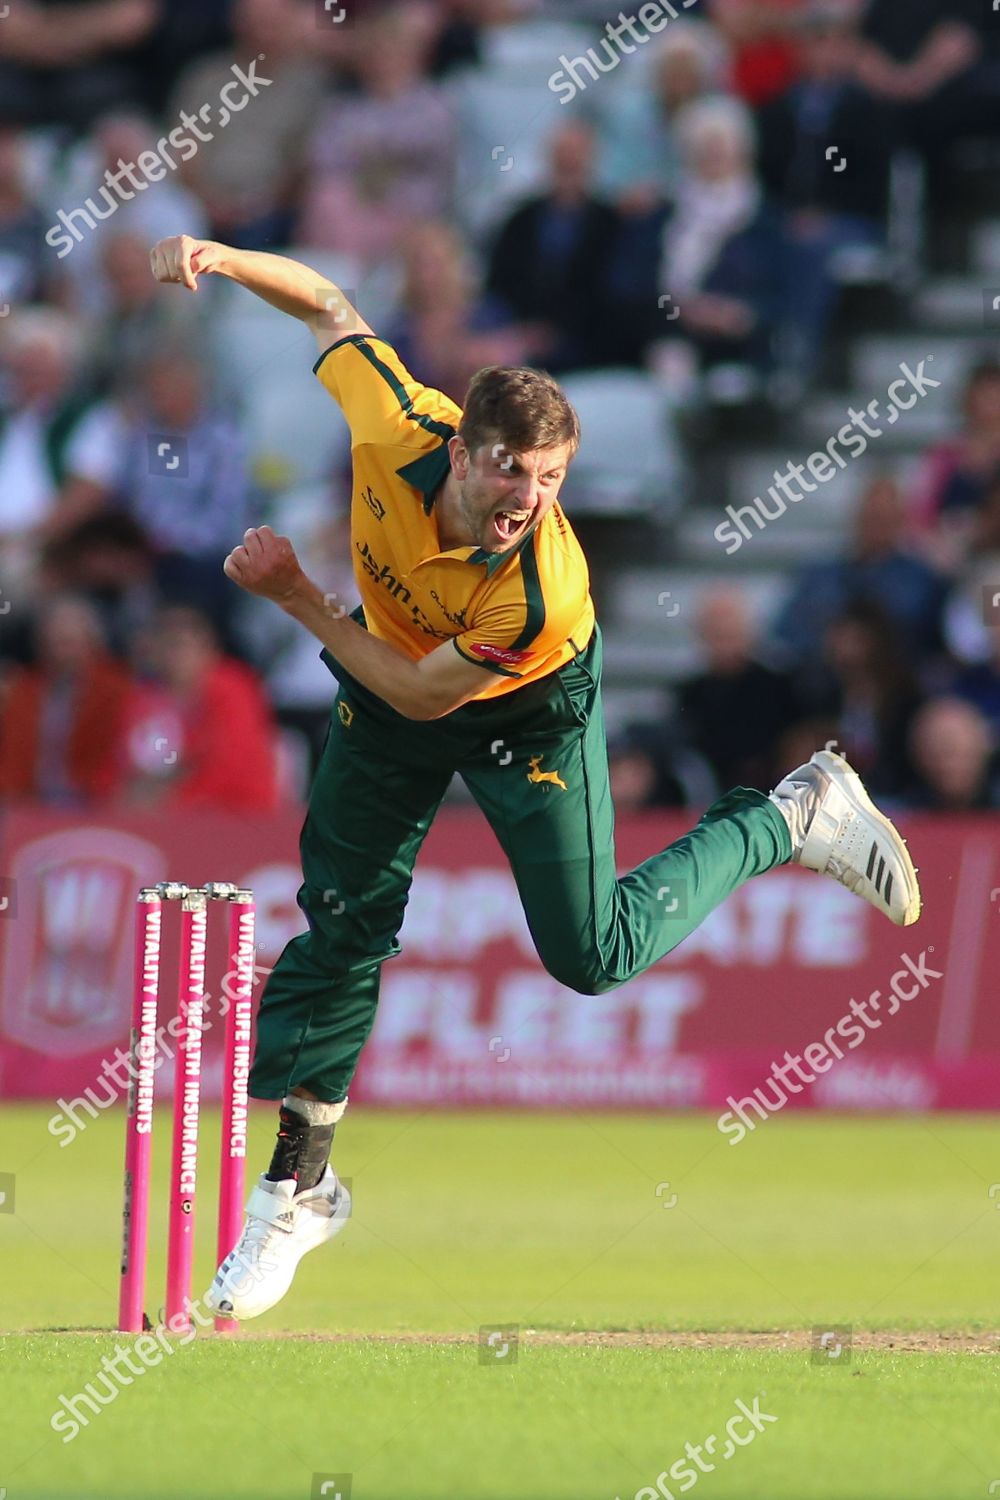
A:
<point x="503" y="128"/>
<point x="295" y="433"/>
<point x="629" y="461"/>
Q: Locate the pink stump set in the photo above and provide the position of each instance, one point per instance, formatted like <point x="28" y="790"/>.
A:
<point x="238" y="992"/>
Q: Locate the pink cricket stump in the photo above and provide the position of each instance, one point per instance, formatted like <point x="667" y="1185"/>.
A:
<point x="138" y="1137"/>
<point x="187" y="1097"/>
<point x="238" y="987"/>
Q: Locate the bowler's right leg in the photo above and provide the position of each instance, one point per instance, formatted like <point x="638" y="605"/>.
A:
<point x="376" y="791"/>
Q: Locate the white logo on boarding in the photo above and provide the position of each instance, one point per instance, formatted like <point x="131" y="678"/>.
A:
<point x="61" y="992"/>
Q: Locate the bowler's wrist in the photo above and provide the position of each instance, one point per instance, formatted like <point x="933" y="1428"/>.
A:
<point x="225" y="259"/>
<point x="302" y="599"/>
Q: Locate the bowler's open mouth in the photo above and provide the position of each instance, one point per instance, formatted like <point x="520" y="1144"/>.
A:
<point x="508" y="523"/>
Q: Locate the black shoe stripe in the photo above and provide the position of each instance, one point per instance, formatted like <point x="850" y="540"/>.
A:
<point x="873" y="856"/>
<point x="887" y="893"/>
<point x="878" y="875"/>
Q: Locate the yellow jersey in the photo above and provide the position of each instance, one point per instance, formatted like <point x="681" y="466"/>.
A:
<point x="520" y="614"/>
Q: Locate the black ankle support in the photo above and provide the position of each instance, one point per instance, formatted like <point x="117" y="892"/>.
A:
<point x="301" y="1150"/>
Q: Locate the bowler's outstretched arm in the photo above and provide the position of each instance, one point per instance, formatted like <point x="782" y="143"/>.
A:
<point x="286" y="284"/>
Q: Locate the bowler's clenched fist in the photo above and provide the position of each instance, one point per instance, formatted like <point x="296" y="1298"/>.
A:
<point x="265" y="564"/>
<point x="183" y="259"/>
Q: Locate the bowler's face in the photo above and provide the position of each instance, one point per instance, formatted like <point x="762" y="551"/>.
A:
<point x="504" y="494"/>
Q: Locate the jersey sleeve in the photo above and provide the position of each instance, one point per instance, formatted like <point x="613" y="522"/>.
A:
<point x="497" y="641"/>
<point x="381" y="400"/>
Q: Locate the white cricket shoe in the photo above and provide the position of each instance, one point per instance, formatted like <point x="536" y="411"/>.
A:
<point x="837" y="829"/>
<point x="281" y="1226"/>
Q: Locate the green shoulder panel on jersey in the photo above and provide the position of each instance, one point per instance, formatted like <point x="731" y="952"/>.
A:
<point x="427" y="473"/>
<point x="348" y="338"/>
<point x="534" y="618"/>
<point x="392" y="380"/>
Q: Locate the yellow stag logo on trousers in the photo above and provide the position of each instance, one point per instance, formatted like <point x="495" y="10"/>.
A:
<point x="537" y="774"/>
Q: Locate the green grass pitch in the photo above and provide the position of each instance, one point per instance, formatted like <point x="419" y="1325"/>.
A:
<point x="636" y="1255"/>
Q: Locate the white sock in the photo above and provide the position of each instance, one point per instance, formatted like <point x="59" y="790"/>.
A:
<point x="314" y="1111"/>
<point x="797" y="802"/>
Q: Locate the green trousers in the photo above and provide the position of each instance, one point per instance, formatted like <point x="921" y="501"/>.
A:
<point x="536" y="762"/>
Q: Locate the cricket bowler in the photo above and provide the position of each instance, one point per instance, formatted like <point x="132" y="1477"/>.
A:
<point x="475" y="652"/>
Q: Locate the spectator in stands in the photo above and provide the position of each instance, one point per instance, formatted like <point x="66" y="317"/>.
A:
<point x="444" y="328"/>
<point x="830" y="207"/>
<point x="978" y="683"/>
<point x="118" y="139"/>
<point x="762" y="36"/>
<point x="964" y="536"/>
<point x="649" y="768"/>
<point x="955" y="510"/>
<point x="640" y="170"/>
<point x="864" y="684"/>
<point x="549" y="262"/>
<point x="457" y="27"/>
<point x="931" y="59"/>
<point x="135" y="319"/>
<point x="954" y="760"/>
<point x="109" y="560"/>
<point x="384" y="156"/>
<point x="722" y="265"/>
<point x="25" y="265"/>
<point x="970" y="615"/>
<point x="734" y="710"/>
<point x="634" y="771"/>
<point x="803" y="738"/>
<point x="342" y="46"/>
<point x="639" y="164"/>
<point x="880" y="564"/>
<point x="63" y="717"/>
<point x="199" y="730"/>
<point x="64" y="64"/>
<point x="181" y="472"/>
<point x="985" y="536"/>
<point x="186" y="29"/>
<point x="55" y="444"/>
<point x="249" y="176"/>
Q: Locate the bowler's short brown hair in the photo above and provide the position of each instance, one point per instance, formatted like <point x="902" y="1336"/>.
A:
<point x="520" y="408"/>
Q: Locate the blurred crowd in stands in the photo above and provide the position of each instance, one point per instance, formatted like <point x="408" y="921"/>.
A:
<point x="688" y="216"/>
